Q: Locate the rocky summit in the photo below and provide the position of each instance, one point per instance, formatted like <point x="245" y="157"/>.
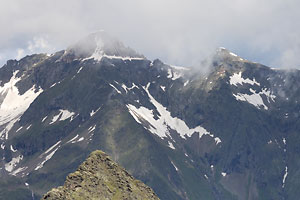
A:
<point x="227" y="129"/>
<point x="101" y="178"/>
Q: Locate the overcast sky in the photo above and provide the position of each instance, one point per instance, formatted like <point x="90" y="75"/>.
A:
<point x="177" y="32"/>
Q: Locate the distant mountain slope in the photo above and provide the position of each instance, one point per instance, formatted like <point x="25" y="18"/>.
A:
<point x="231" y="132"/>
<point x="101" y="178"/>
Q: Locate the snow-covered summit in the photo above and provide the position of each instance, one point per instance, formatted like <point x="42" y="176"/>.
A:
<point x="100" y="44"/>
<point x="224" y="53"/>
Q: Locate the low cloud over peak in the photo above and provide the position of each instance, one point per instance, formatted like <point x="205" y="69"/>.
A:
<point x="179" y="32"/>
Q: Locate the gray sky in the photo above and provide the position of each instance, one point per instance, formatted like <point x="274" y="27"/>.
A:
<point x="178" y="32"/>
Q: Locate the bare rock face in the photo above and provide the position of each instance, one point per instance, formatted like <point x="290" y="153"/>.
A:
<point x="101" y="178"/>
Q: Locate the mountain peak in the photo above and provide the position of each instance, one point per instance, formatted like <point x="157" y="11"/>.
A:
<point x="99" y="44"/>
<point x="101" y="178"/>
<point x="224" y="54"/>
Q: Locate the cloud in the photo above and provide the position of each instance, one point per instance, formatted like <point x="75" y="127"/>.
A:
<point x="176" y="31"/>
<point x="20" y="54"/>
<point x="38" y="44"/>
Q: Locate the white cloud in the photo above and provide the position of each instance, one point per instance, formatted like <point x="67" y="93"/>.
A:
<point x="179" y="32"/>
<point x="38" y="44"/>
<point x="20" y="54"/>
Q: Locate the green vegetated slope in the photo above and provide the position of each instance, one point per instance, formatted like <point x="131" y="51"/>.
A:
<point x="100" y="178"/>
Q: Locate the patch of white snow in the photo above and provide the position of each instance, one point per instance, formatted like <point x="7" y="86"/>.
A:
<point x="79" y="70"/>
<point x="19" y="129"/>
<point x="13" y="163"/>
<point x="14" y="104"/>
<point x="12" y="149"/>
<point x="237" y="78"/>
<point x="170" y="144"/>
<point x="254" y="99"/>
<point x="174" y="166"/>
<point x="165" y="121"/>
<point x="62" y="115"/>
<point x="66" y="115"/>
<point x="74" y="138"/>
<point x="118" y="91"/>
<point x="284" y="176"/>
<point x="44" y="118"/>
<point x="29" y="127"/>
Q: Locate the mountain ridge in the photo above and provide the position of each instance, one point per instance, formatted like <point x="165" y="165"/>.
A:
<point x="187" y="134"/>
<point x="100" y="178"/>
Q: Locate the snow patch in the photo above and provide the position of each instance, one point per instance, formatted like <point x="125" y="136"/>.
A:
<point x="66" y="115"/>
<point x="92" y="128"/>
<point x="44" y="118"/>
<point x="237" y="78"/>
<point x="98" y="54"/>
<point x="52" y="85"/>
<point x="49" y="156"/>
<point x="118" y="91"/>
<point x="170" y="144"/>
<point x="173" y="74"/>
<point x="185" y="83"/>
<point x="255" y="98"/>
<point x="13" y="163"/>
<point x="133" y="86"/>
<point x="284" y="176"/>
<point x="124" y="87"/>
<point x="174" y="166"/>
<point x="165" y="121"/>
<point x="55" y="118"/>
<point x="29" y="127"/>
<point x="12" y="149"/>
<point x="233" y="54"/>
<point x="123" y="58"/>
<point x="19" y="129"/>
<point x="94" y="112"/>
<point x="52" y="147"/>
<point x="79" y="70"/>
<point x="217" y="140"/>
<point x="72" y="140"/>
<point x="270" y="142"/>
<point x="19" y="170"/>
<point x="62" y="115"/>
<point x="127" y="88"/>
<point x="14" y="104"/>
<point x="5" y="131"/>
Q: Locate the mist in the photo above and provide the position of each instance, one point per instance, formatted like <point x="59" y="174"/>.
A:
<point x="178" y="32"/>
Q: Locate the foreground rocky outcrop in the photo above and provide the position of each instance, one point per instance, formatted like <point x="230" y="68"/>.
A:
<point x="101" y="178"/>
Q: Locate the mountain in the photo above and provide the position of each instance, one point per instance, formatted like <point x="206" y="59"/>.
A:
<point x="228" y="132"/>
<point x="101" y="178"/>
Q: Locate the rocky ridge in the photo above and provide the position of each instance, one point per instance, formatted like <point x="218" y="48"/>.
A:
<point x="101" y="178"/>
